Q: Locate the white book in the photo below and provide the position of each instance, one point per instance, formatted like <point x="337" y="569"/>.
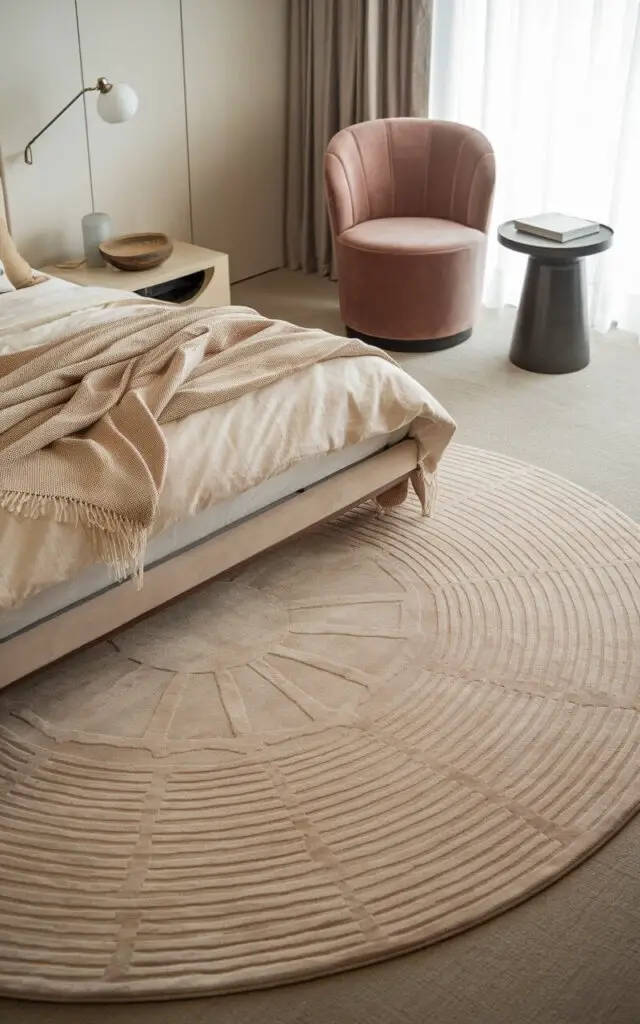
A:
<point x="556" y="226"/>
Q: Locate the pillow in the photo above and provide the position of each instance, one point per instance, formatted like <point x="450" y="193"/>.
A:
<point x="5" y="283"/>
<point x="16" y="269"/>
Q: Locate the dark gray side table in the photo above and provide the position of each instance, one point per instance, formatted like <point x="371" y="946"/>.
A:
<point x="551" y="334"/>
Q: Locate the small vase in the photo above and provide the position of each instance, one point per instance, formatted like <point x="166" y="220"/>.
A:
<point x="96" y="228"/>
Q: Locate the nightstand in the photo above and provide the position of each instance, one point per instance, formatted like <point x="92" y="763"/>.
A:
<point x="192" y="276"/>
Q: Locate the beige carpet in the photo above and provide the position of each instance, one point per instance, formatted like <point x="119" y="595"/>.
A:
<point x="571" y="954"/>
<point x="366" y="741"/>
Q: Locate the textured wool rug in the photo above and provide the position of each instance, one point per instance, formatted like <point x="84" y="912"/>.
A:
<point x="372" y="738"/>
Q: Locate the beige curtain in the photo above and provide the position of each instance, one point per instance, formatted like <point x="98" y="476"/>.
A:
<point x="349" y="61"/>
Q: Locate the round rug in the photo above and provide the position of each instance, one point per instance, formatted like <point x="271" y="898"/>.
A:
<point x="368" y="740"/>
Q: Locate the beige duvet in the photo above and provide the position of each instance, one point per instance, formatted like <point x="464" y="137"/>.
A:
<point x="217" y="453"/>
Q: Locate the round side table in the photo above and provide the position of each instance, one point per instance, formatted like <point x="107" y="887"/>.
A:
<point x="551" y="334"/>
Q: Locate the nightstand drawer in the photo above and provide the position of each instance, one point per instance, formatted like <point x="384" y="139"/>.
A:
<point x="180" y="290"/>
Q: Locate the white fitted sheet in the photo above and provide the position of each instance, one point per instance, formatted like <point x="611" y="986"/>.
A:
<point x="193" y="530"/>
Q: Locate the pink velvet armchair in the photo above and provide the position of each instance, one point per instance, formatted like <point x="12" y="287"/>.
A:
<point x="409" y="202"/>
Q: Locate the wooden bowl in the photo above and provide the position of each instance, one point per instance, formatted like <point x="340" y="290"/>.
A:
<point x="137" y="252"/>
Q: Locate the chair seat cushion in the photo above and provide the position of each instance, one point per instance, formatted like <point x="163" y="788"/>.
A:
<point x="411" y="235"/>
<point x="410" y="278"/>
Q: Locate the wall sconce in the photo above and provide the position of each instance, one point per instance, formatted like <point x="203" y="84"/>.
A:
<point x="116" y="103"/>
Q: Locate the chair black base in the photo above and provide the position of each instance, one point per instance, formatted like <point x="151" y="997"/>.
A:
<point x="426" y="345"/>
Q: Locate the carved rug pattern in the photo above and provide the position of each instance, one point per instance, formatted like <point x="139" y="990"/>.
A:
<point x="374" y="737"/>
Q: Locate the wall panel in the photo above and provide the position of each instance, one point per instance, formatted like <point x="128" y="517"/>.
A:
<point x="39" y="73"/>
<point x="235" y="70"/>
<point x="139" y="168"/>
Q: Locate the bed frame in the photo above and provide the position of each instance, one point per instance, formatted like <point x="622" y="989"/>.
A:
<point x="97" y="617"/>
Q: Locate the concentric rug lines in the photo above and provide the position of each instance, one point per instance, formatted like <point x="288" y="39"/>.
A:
<point x="374" y="737"/>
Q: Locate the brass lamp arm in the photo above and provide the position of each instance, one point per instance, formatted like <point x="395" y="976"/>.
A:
<point x="102" y="85"/>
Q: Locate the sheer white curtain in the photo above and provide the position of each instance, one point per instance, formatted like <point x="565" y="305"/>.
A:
<point x="555" y="85"/>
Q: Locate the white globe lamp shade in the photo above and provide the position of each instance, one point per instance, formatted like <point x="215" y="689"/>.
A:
<point x="118" y="104"/>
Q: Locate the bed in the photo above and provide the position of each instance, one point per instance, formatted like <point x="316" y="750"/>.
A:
<point x="317" y="442"/>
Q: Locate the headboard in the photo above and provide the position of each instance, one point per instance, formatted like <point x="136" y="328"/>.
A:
<point x="4" y="209"/>
<point x="16" y="267"/>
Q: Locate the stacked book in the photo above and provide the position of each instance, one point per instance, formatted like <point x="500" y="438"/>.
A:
<point x="557" y="227"/>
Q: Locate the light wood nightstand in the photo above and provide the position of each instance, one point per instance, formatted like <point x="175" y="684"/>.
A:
<point x="192" y="276"/>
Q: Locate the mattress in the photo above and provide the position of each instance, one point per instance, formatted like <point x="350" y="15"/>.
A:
<point x="194" y="530"/>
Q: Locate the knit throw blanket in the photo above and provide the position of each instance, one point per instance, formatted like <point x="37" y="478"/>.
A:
<point x="81" y="436"/>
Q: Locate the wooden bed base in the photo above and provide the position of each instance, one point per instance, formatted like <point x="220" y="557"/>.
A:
<point x="51" y="639"/>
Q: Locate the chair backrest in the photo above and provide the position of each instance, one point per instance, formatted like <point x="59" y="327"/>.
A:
<point x="409" y="167"/>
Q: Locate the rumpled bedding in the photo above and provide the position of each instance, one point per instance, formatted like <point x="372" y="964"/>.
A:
<point x="218" y="452"/>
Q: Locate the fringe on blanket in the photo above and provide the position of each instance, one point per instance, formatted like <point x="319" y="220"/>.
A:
<point x="117" y="541"/>
<point x="121" y="543"/>
<point x="424" y="484"/>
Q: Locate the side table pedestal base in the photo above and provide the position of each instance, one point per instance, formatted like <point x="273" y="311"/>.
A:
<point x="551" y="333"/>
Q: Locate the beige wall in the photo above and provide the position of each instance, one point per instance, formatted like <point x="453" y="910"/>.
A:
<point x="235" y="63"/>
<point x="39" y="73"/>
<point x="209" y="132"/>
